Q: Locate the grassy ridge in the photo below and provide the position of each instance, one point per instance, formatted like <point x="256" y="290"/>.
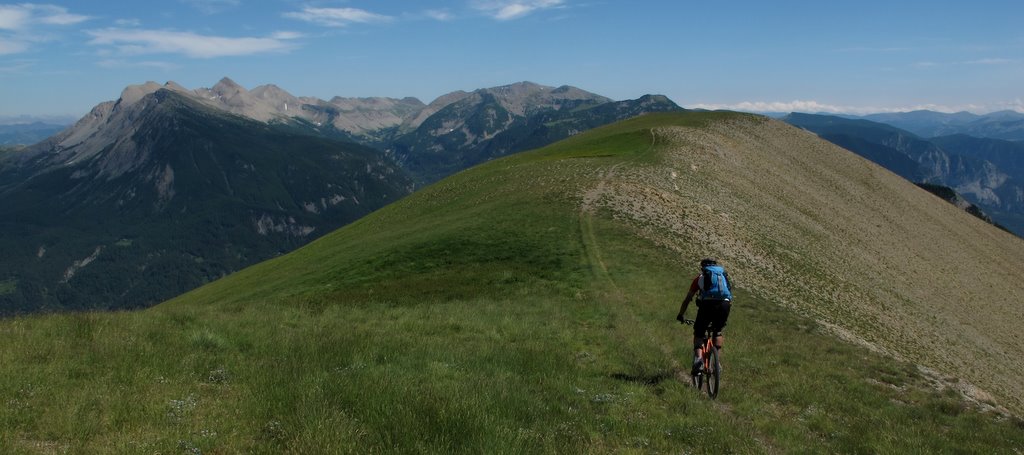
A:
<point x="486" y="314"/>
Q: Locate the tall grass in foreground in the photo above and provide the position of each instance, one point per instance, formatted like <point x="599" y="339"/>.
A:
<point x="604" y="372"/>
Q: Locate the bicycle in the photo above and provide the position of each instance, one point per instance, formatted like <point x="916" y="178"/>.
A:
<point x="710" y="373"/>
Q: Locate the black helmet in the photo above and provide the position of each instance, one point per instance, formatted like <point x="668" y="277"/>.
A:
<point x="708" y="261"/>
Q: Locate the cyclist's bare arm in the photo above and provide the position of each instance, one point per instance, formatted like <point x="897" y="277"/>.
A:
<point x="685" y="305"/>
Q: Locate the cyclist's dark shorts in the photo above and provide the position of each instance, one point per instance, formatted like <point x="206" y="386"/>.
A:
<point x="713" y="313"/>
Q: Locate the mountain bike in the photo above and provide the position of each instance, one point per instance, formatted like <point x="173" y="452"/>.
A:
<point x="710" y="373"/>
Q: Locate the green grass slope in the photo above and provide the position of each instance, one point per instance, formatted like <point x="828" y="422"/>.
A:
<point x="527" y="306"/>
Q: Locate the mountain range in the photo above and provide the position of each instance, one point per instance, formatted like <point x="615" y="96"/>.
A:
<point x="491" y="123"/>
<point x="166" y="188"/>
<point x="151" y="196"/>
<point x="1006" y="125"/>
<point x="28" y="133"/>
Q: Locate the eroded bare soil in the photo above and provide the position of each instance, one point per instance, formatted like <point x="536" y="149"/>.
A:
<point x="833" y="236"/>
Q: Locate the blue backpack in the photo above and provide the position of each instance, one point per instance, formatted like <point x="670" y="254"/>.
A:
<point x="714" y="283"/>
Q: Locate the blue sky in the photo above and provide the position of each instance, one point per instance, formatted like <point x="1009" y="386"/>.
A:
<point x="63" y="57"/>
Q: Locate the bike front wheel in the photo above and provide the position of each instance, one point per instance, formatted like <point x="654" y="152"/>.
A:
<point x="712" y="373"/>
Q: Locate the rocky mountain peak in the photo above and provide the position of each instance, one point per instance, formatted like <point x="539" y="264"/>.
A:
<point x="226" y="86"/>
<point x="133" y="93"/>
<point x="371" y="118"/>
<point x="518" y="89"/>
<point x="520" y="97"/>
<point x="274" y="100"/>
<point x="174" y="162"/>
<point x="654" y="99"/>
<point x="440" y="103"/>
<point x="270" y="91"/>
<point x="171" y="85"/>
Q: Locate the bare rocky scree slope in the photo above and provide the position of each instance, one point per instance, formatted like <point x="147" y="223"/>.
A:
<point x="836" y="237"/>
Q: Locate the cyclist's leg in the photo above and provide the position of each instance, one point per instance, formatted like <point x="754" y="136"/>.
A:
<point x="721" y="317"/>
<point x="700" y="325"/>
<point x="701" y="322"/>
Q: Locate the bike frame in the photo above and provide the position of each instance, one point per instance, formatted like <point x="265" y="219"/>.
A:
<point x="705" y="350"/>
<point x="709" y="374"/>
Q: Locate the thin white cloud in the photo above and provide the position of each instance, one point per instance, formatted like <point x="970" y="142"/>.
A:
<point x="128" y="22"/>
<point x="25" y="24"/>
<point x="874" y="49"/>
<point x="287" y="35"/>
<point x="775" y="106"/>
<point x="13" y="17"/>
<point x="142" y="42"/>
<point x="120" y="64"/>
<point x="337" y="17"/>
<point x="55" y="15"/>
<point x="25" y="15"/>
<point x="504" y="10"/>
<point x="439" y="15"/>
<point x="1015" y="105"/>
<point x="8" y="47"/>
<point x="814" y="107"/>
<point x="212" y="6"/>
<point x="978" y="62"/>
<point x="989" y="61"/>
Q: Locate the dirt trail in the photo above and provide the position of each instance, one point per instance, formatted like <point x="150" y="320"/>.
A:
<point x="588" y="206"/>
<point x="810" y="225"/>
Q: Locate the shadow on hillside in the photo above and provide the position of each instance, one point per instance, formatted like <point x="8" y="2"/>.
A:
<point x="649" y="380"/>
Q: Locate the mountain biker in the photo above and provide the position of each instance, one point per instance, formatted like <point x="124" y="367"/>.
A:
<point x="714" y="299"/>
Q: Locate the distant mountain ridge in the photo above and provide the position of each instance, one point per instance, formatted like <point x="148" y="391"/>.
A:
<point x="467" y="127"/>
<point x="270" y="103"/>
<point x="1008" y="155"/>
<point x="157" y="193"/>
<point x="1006" y="125"/>
<point x="357" y="116"/>
<point x="28" y="133"/>
<point x="199" y="183"/>
<point x="491" y="123"/>
<point x="959" y="163"/>
<point x="453" y="132"/>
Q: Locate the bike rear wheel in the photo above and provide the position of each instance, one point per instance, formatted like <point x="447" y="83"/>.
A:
<point x="712" y="373"/>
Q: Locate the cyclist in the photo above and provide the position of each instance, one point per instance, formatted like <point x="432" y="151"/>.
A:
<point x="714" y="299"/>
